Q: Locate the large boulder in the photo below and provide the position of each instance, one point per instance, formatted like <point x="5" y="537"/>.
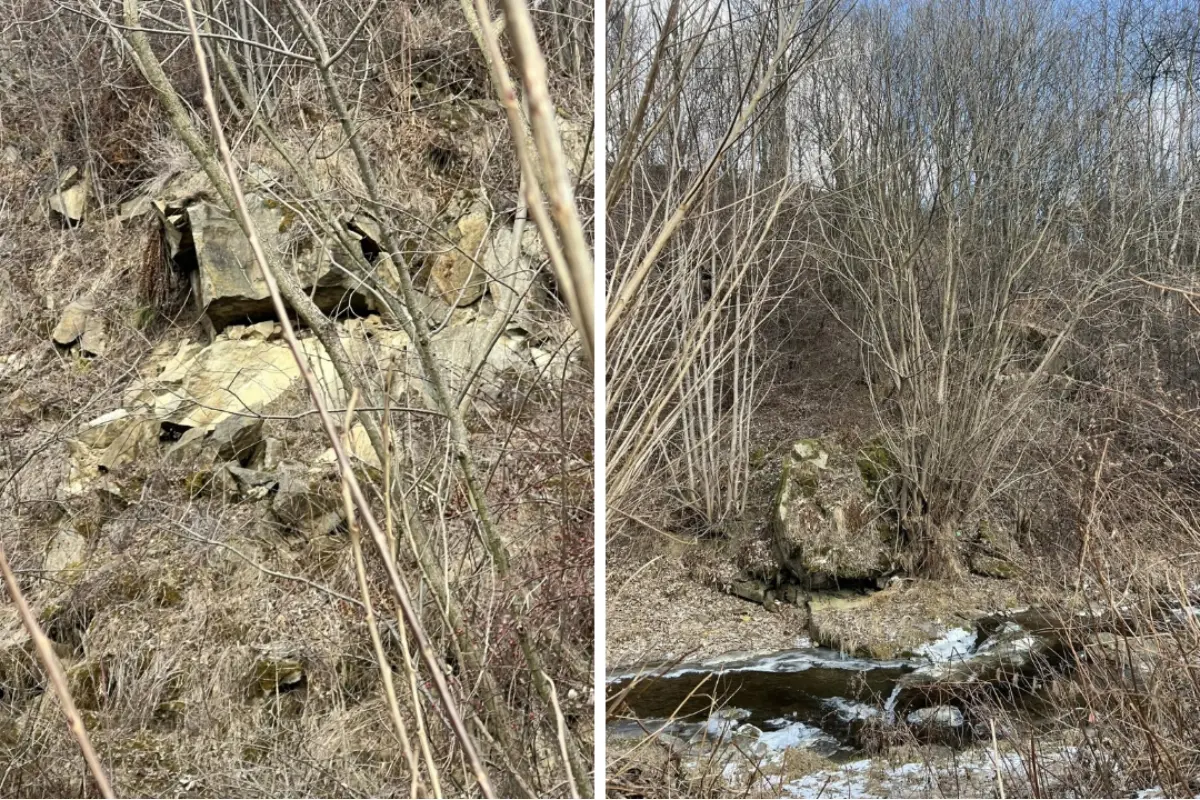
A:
<point x="826" y="527"/>
<point x="227" y="281"/>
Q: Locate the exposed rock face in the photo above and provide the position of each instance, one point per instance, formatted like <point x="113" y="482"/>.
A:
<point x="825" y="528"/>
<point x="228" y="283"/>
<point x="207" y="401"/>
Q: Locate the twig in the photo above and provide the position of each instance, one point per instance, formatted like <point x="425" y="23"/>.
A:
<point x="385" y="668"/>
<point x="996" y="760"/>
<point x="562" y="737"/>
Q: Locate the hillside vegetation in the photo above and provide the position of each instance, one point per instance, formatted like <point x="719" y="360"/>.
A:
<point x="904" y="337"/>
<point x="345" y="551"/>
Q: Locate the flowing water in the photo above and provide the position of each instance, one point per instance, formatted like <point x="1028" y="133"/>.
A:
<point x="806" y="697"/>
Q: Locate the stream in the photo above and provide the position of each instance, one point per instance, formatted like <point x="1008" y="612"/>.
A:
<point x="813" y="700"/>
<point x="810" y="697"/>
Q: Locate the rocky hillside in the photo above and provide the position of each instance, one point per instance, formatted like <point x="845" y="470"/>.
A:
<point x="171" y="506"/>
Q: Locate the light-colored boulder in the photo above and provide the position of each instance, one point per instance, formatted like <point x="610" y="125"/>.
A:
<point x="64" y="555"/>
<point x="192" y="447"/>
<point x="459" y="347"/>
<point x="138" y="438"/>
<point x="229" y="284"/>
<point x="100" y="432"/>
<point x="105" y="443"/>
<point x="359" y="450"/>
<point x="269" y="455"/>
<point x="235" y="377"/>
<point x="80" y="323"/>
<point x="456" y="274"/>
<point x="578" y="143"/>
<point x="69" y="200"/>
<point x="72" y="323"/>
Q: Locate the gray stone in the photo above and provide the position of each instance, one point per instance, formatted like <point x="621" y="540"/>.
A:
<point x="991" y="566"/>
<point x="228" y="283"/>
<point x="754" y="591"/>
<point x="253" y="483"/>
<point x="269" y="455"/>
<point x="191" y="447"/>
<point x="237" y="438"/>
<point x="770" y="603"/>
<point x="791" y="593"/>
<point x="214" y="481"/>
<point x="94" y="341"/>
<point x="308" y="501"/>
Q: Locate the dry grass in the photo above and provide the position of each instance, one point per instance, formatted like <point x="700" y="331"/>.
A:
<point x="163" y="626"/>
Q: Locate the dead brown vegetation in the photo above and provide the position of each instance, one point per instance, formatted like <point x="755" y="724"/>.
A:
<point x="186" y="591"/>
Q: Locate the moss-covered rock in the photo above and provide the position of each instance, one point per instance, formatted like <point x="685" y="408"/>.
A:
<point x="993" y="552"/>
<point x="825" y="526"/>
<point x="876" y="463"/>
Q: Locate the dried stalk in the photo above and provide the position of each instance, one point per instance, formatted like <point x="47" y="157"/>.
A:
<point x="412" y="317"/>
<point x="385" y="668"/>
<point x="532" y="65"/>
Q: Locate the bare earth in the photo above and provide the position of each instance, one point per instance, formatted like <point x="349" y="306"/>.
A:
<point x="658" y="614"/>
